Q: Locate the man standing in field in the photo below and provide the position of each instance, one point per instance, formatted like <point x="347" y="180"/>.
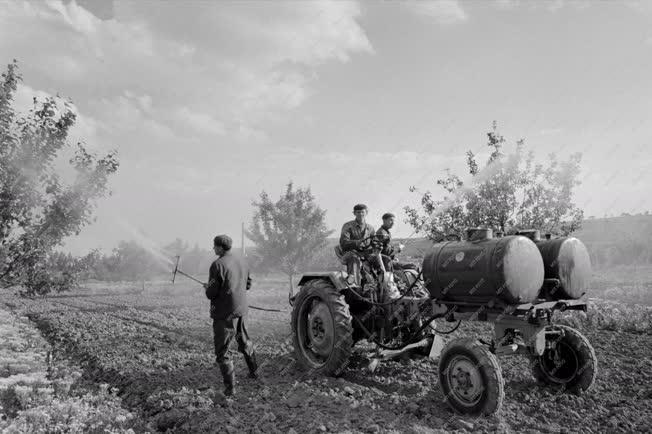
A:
<point x="227" y="288"/>
<point x="355" y="243"/>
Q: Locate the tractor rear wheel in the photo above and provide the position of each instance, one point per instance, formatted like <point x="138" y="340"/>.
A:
<point x="470" y="377"/>
<point x="321" y="328"/>
<point x="571" y="363"/>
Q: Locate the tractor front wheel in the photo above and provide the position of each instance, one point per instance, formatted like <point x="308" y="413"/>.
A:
<point x="321" y="328"/>
<point x="470" y="378"/>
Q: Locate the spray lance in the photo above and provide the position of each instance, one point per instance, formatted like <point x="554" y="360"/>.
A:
<point x="178" y="271"/>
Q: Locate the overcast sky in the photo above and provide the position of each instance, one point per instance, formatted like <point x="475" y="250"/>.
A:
<point x="209" y="103"/>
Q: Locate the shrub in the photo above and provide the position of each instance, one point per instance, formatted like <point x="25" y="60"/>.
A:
<point x="610" y="315"/>
<point x="44" y="412"/>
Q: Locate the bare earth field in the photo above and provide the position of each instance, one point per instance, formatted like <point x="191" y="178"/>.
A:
<point x="156" y="348"/>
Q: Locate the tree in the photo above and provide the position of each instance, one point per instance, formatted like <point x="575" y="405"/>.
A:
<point x="288" y="233"/>
<point x="135" y="263"/>
<point x="37" y="209"/>
<point x="197" y="261"/>
<point x="511" y="192"/>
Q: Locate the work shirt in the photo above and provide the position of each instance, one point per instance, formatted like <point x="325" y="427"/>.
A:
<point x="352" y="231"/>
<point x="386" y="237"/>
<point x="228" y="282"/>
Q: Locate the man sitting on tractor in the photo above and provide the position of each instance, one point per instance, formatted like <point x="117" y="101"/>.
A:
<point x="355" y="242"/>
<point x="385" y="237"/>
<point x="388" y="251"/>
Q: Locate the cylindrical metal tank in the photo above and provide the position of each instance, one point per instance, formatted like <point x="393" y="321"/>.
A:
<point x="509" y="268"/>
<point x="567" y="260"/>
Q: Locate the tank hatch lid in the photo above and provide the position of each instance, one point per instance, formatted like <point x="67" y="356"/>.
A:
<point x="478" y="234"/>
<point x="532" y="234"/>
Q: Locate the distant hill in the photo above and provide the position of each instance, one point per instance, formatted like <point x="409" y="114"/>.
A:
<point x="623" y="240"/>
<point x="614" y="229"/>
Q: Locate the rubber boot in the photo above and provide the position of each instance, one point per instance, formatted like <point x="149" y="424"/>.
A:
<point x="229" y="378"/>
<point x="252" y="364"/>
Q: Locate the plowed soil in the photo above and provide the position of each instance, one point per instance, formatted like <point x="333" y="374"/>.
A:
<point x="157" y="349"/>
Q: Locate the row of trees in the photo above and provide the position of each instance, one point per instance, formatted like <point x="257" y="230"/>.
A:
<point x="129" y="261"/>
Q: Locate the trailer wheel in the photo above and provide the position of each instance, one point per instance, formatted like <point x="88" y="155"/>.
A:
<point x="571" y="363"/>
<point x="321" y="328"/>
<point x="470" y="377"/>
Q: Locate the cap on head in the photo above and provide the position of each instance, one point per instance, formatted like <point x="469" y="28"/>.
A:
<point x="360" y="207"/>
<point x="388" y="215"/>
<point x="223" y="241"/>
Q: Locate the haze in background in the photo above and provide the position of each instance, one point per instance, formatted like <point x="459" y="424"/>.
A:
<point x="211" y="102"/>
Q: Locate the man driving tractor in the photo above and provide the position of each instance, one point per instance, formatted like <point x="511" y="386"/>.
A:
<point x="355" y="242"/>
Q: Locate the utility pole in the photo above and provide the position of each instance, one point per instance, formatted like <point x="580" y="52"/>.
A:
<point x="244" y="253"/>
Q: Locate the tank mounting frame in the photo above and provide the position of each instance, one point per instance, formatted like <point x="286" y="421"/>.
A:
<point x="518" y="329"/>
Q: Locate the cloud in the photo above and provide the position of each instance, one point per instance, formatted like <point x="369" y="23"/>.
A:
<point x="549" y="5"/>
<point x="550" y="131"/>
<point x="442" y="11"/>
<point x="268" y="33"/>
<point x="506" y="4"/>
<point x="242" y="65"/>
<point x="202" y="122"/>
<point x="643" y="6"/>
<point x="264" y="62"/>
<point x="75" y="16"/>
<point x="359" y="162"/>
<point x="181" y="91"/>
<point x="555" y="5"/>
<point x="263" y="96"/>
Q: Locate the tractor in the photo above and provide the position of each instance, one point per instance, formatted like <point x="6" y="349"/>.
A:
<point x="516" y="282"/>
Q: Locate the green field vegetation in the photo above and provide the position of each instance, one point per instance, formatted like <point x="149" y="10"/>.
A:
<point x="40" y="393"/>
<point x="611" y="315"/>
<point x="620" y="299"/>
<point x="628" y="284"/>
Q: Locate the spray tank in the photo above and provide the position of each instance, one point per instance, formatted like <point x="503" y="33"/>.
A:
<point x="567" y="265"/>
<point x="483" y="268"/>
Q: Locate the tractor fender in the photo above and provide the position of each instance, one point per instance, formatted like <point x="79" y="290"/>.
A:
<point x="335" y="277"/>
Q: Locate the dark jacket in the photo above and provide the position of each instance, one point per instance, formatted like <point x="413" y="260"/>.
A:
<point x="352" y="232"/>
<point x="386" y="237"/>
<point x="228" y="283"/>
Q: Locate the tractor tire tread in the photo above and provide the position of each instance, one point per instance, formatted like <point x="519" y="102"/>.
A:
<point x="343" y="327"/>
<point x="492" y="401"/>
<point x="586" y="378"/>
